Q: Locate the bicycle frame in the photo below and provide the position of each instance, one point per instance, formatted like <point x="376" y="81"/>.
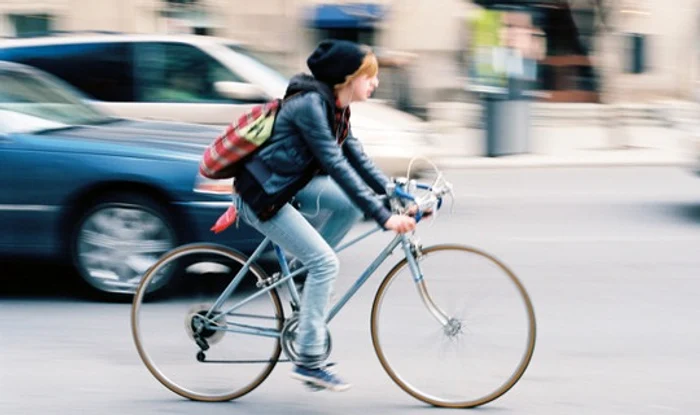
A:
<point x="288" y="278"/>
<point x="206" y="323"/>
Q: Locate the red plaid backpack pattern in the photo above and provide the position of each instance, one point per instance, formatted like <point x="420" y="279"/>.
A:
<point x="222" y="157"/>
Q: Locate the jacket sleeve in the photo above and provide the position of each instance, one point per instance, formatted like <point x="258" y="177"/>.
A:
<point x="315" y="129"/>
<point x="359" y="160"/>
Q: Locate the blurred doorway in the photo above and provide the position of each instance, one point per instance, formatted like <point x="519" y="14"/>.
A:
<point x="565" y="72"/>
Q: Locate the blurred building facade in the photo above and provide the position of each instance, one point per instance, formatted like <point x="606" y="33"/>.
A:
<point x="430" y="40"/>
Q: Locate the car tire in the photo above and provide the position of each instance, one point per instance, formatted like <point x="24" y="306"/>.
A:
<point x="116" y="239"/>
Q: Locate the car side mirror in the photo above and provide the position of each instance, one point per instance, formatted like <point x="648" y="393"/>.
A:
<point x="240" y="91"/>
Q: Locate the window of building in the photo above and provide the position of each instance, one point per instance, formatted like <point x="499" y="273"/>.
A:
<point x="26" y="25"/>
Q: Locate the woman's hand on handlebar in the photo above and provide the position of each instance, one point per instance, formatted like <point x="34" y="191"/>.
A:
<point x="400" y="223"/>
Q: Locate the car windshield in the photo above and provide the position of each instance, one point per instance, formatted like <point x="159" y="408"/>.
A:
<point x="32" y="103"/>
<point x="262" y="63"/>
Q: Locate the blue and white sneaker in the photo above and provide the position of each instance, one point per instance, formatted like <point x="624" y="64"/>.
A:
<point x="320" y="378"/>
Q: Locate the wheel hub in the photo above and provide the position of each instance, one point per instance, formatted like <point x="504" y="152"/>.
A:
<point x="198" y="326"/>
<point x="453" y="328"/>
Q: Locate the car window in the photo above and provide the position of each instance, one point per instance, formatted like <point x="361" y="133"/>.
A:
<point x="101" y="70"/>
<point x="178" y="72"/>
<point x="25" y="97"/>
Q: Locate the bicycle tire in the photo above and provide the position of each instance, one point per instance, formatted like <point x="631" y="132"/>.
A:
<point x="402" y="381"/>
<point x="186" y="253"/>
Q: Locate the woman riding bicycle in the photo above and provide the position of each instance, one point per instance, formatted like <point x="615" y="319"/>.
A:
<point x="313" y="158"/>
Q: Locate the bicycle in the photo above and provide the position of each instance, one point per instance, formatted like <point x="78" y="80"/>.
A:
<point x="250" y="330"/>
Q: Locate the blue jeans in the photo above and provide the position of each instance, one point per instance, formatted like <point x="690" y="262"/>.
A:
<point x="323" y="206"/>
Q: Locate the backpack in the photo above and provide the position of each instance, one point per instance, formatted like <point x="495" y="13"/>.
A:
<point x="222" y="158"/>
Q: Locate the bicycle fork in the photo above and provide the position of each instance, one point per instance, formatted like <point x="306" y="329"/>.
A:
<point x="413" y="251"/>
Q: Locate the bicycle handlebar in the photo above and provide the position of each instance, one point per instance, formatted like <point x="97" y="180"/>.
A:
<point x="402" y="189"/>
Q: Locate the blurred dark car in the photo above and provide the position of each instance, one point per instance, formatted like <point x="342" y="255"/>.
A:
<point x="109" y="195"/>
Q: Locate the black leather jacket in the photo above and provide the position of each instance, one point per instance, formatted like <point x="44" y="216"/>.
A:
<point x="302" y="146"/>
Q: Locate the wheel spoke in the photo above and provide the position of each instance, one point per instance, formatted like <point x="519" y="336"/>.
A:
<point x="151" y="247"/>
<point x="100" y="240"/>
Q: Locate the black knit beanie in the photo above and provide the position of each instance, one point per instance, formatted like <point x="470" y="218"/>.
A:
<point x="334" y="60"/>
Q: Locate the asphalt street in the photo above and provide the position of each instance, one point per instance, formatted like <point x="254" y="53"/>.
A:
<point x="609" y="256"/>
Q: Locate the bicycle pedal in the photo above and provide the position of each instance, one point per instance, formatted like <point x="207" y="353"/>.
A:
<point x="314" y="387"/>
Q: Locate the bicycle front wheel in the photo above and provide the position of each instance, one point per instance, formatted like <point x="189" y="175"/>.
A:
<point x="200" y="353"/>
<point x="464" y="338"/>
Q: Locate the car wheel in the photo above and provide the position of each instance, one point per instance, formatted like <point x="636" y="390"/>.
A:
<point x="117" y="239"/>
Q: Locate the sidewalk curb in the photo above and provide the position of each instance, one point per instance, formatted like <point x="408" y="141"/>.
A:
<point x="517" y="162"/>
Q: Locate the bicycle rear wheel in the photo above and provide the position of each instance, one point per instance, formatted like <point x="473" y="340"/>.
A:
<point x="476" y="342"/>
<point x="204" y="356"/>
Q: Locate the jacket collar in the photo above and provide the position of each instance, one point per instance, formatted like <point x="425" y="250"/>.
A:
<point x="307" y="83"/>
